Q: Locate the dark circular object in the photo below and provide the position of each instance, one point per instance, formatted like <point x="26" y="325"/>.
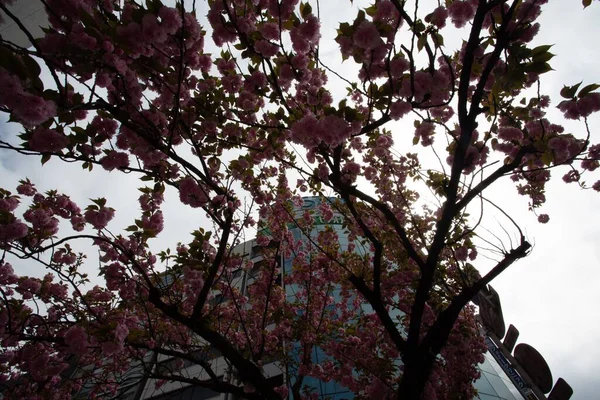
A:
<point x="535" y="365"/>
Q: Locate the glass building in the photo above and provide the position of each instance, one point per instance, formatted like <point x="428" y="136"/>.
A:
<point x="494" y="383"/>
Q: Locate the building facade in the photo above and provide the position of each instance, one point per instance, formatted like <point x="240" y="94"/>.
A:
<point x="494" y="383"/>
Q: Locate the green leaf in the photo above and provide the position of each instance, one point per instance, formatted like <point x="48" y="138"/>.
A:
<point x="305" y="10"/>
<point x="538" y="67"/>
<point x="345" y="29"/>
<point x="10" y="62"/>
<point x="101" y="202"/>
<point x="419" y="26"/>
<point x="421" y="42"/>
<point x="547" y="158"/>
<point x="540" y="49"/>
<point x="542" y="57"/>
<point x="438" y="39"/>
<point x="587" y="90"/>
<point x="371" y="11"/>
<point x="568" y="92"/>
<point x="33" y="68"/>
<point x="359" y="18"/>
<point x="66" y="118"/>
<point x="288" y="25"/>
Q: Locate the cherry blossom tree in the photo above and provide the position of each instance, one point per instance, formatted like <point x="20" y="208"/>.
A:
<point x="242" y="135"/>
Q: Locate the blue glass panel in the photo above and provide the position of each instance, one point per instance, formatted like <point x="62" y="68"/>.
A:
<point x="484" y="386"/>
<point x="487" y="397"/>
<point x="487" y="366"/>
<point x="500" y="387"/>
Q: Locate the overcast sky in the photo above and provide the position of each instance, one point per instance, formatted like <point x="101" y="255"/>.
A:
<point x="550" y="296"/>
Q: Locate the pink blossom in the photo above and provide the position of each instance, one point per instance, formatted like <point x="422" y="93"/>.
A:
<point x="425" y="133"/>
<point x="310" y="29"/>
<point x="29" y="109"/>
<point x="152" y="31"/>
<point x="558" y="143"/>
<point x="299" y="43"/>
<point x="256" y="81"/>
<point x="588" y="104"/>
<point x="398" y="66"/>
<point x="270" y="31"/>
<point x="366" y="36"/>
<point x="12" y="231"/>
<point x="590" y="165"/>
<point x="78" y="223"/>
<point x="9" y="203"/>
<point x="438" y="17"/>
<point x="110" y="348"/>
<point x="155" y="223"/>
<point x="77" y="340"/>
<point x="115" y="160"/>
<point x="263" y="240"/>
<point x="571" y="176"/>
<point x="266" y="48"/>
<point x="61" y="257"/>
<point x="103" y="80"/>
<point x="105" y="127"/>
<point x="399" y="109"/>
<point x="29" y="286"/>
<point x="323" y="172"/>
<point x="422" y="85"/>
<point x="26" y="188"/>
<point x="232" y="83"/>
<point x="42" y="220"/>
<point x="334" y="129"/>
<point x="59" y="291"/>
<point x="326" y="211"/>
<point x="170" y="19"/>
<point x="473" y="254"/>
<point x="10" y="87"/>
<point x="107" y="46"/>
<point x="461" y="253"/>
<point x="530" y="32"/>
<point x="222" y="35"/>
<point x="121" y="332"/>
<point x="442" y="113"/>
<point x="570" y="109"/>
<point x="81" y="39"/>
<point x="34" y="110"/>
<point x="191" y="193"/>
<point x="543" y="218"/>
<point x="99" y="218"/>
<point x="47" y="140"/>
<point x="461" y="12"/>
<point x="386" y="11"/>
<point x="510" y="134"/>
<point x="544" y="101"/>
<point x="350" y="171"/>
<point x="383" y="141"/>
<point x="536" y="113"/>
